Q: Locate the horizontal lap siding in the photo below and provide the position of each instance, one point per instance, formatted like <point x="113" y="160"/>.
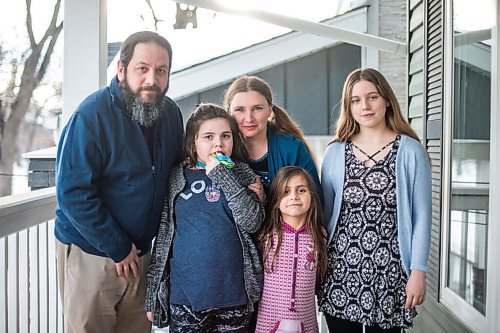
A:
<point x="416" y="66"/>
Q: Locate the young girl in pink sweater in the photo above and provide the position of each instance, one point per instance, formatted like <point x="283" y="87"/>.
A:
<point x="293" y="242"/>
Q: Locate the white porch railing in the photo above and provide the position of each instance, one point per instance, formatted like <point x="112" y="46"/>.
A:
<point x="29" y="299"/>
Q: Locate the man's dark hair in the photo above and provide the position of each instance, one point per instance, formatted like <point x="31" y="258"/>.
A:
<point x="127" y="49"/>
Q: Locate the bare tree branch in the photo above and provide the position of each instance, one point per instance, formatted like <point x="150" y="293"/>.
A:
<point x="154" y="14"/>
<point x="48" y="54"/>
<point x="29" y="24"/>
<point x="55" y="14"/>
<point x="50" y="29"/>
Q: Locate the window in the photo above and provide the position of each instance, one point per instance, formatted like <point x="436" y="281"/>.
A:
<point x="468" y="160"/>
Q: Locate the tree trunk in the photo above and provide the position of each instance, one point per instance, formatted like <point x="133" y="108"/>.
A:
<point x="32" y="128"/>
<point x="9" y="151"/>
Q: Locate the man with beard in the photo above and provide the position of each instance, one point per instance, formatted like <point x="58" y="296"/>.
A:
<point x="113" y="160"/>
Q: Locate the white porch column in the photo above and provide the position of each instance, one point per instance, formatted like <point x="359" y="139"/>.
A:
<point x="85" y="51"/>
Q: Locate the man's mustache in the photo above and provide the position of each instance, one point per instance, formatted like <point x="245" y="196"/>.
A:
<point x="151" y="88"/>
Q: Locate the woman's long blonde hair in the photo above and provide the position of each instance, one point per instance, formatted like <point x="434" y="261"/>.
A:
<point x="347" y="127"/>
<point x="280" y="120"/>
<point x="272" y="225"/>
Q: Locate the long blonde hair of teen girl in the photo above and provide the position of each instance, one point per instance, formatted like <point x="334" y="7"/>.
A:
<point x="346" y="125"/>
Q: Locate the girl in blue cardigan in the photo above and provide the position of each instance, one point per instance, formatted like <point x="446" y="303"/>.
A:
<point x="376" y="180"/>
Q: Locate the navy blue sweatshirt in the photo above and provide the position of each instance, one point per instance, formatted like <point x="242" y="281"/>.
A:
<point x="110" y="189"/>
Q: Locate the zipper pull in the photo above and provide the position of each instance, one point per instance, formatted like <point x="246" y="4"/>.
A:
<point x="153" y="170"/>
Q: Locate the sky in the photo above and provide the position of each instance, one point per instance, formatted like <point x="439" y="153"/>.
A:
<point x="472" y="15"/>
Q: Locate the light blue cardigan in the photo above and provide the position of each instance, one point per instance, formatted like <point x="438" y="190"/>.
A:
<point x="413" y="198"/>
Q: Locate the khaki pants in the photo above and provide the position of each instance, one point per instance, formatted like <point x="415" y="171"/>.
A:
<point x="95" y="299"/>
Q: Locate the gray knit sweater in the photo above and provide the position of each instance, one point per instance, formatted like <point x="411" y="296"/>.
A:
<point x="248" y="214"/>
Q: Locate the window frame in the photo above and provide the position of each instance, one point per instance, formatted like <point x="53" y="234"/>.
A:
<point x="490" y="322"/>
<point x="493" y="264"/>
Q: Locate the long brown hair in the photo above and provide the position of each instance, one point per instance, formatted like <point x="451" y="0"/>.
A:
<point x="272" y="225"/>
<point x="346" y="126"/>
<point x="280" y="120"/>
<point x="208" y="111"/>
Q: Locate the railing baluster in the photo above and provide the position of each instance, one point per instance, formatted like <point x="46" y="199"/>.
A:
<point x="22" y="280"/>
<point x="3" y="285"/>
<point x="52" y="277"/>
<point x="44" y="290"/>
<point x="55" y="281"/>
<point x="34" y="280"/>
<point x="13" y="284"/>
<point x="28" y="282"/>
<point x="37" y="259"/>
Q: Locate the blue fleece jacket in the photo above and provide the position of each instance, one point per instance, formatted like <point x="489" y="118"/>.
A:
<point x="413" y="198"/>
<point x="286" y="150"/>
<point x="110" y="190"/>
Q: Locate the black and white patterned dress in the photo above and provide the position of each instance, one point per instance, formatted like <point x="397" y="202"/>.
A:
<point x="366" y="280"/>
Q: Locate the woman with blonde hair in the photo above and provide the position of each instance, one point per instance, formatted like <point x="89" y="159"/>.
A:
<point x="376" y="180"/>
<point x="272" y="138"/>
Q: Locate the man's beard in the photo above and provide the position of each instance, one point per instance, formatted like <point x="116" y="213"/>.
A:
<point x="144" y="113"/>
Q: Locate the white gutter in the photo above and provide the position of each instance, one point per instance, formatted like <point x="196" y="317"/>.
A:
<point x="312" y="28"/>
